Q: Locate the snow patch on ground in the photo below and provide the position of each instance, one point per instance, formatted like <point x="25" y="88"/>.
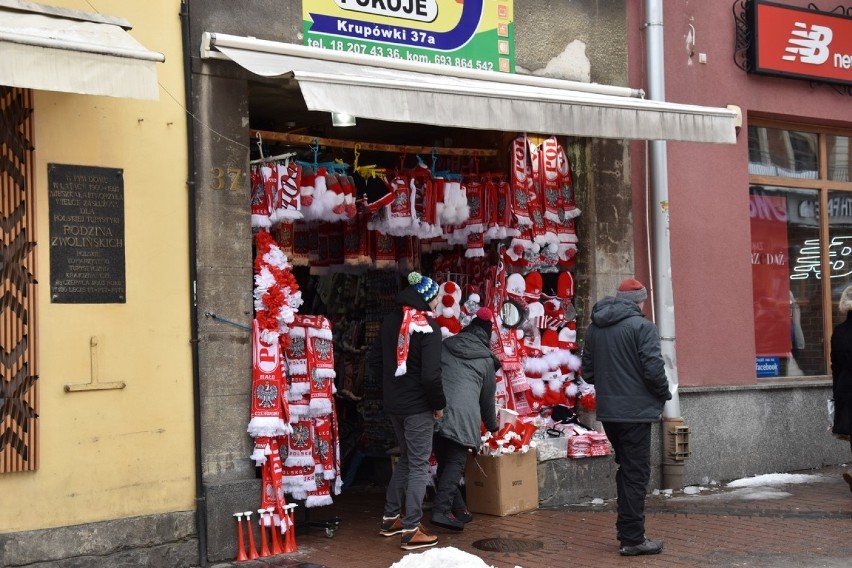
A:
<point x="446" y="557"/>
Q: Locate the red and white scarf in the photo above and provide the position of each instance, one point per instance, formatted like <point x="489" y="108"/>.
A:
<point x="267" y="400"/>
<point x="300" y="450"/>
<point x="412" y="320"/>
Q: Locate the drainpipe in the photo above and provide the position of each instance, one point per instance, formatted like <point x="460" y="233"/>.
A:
<point x="200" y="495"/>
<point x="675" y="433"/>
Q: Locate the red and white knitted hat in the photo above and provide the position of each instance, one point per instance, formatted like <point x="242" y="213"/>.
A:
<point x="532" y="289"/>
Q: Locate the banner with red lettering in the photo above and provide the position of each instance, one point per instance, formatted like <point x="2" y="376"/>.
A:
<point x="770" y="274"/>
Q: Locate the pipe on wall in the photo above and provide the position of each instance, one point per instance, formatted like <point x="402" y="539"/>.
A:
<point x="661" y="264"/>
<point x="200" y="495"/>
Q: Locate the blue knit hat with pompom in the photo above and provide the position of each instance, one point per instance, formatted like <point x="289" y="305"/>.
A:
<point x="424" y="285"/>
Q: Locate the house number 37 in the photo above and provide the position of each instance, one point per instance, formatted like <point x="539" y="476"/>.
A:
<point x="226" y="178"/>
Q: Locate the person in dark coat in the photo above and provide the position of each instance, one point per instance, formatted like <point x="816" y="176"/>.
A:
<point x="469" y="374"/>
<point x="841" y="374"/>
<point x="407" y="355"/>
<point x="622" y="358"/>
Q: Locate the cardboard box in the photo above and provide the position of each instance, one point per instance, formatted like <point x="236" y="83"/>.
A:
<point x="504" y="485"/>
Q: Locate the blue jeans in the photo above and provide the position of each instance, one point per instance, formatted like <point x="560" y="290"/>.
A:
<point x="411" y="475"/>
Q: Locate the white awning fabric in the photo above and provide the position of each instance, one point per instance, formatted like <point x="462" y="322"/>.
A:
<point x="414" y="92"/>
<point x="57" y="50"/>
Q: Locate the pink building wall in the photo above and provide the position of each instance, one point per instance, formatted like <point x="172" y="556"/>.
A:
<point x="708" y="183"/>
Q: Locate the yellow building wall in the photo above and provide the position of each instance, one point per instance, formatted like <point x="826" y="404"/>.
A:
<point x="116" y="453"/>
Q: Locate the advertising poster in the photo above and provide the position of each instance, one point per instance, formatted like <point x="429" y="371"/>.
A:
<point x="770" y="275"/>
<point x="473" y="34"/>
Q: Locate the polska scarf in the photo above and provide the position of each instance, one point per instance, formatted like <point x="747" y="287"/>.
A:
<point x="412" y="320"/>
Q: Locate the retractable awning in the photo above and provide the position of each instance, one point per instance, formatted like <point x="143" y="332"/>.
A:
<point x="406" y="91"/>
<point x="53" y="49"/>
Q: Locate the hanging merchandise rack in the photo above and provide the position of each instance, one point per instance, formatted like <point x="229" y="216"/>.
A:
<point x="370" y="146"/>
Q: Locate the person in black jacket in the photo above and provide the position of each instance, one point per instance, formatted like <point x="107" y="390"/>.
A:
<point x="622" y="358"/>
<point x="841" y="374"/>
<point x="407" y="355"/>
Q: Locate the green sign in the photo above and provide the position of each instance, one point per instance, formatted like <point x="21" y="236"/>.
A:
<point x="475" y="34"/>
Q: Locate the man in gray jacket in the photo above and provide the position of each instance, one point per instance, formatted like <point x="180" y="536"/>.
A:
<point x="469" y="372"/>
<point x="622" y="358"/>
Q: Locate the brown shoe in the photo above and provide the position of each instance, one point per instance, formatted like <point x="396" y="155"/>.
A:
<point x="391" y="526"/>
<point x="848" y="478"/>
<point x="417" y="538"/>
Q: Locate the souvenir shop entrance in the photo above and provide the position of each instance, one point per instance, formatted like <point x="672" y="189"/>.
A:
<point x="465" y="176"/>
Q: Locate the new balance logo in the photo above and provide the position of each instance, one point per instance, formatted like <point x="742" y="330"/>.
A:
<point x="809" y="46"/>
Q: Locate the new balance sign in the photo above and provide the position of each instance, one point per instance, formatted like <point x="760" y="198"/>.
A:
<point x="802" y="43"/>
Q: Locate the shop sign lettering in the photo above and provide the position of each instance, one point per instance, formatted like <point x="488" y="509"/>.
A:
<point x="474" y="34"/>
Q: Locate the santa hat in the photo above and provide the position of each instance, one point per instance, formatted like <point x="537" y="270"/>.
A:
<point x="549" y="341"/>
<point x="532" y="288"/>
<point x="568" y="336"/>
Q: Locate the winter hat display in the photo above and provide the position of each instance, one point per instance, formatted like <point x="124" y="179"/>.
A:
<point x="448" y="310"/>
<point x="469" y="308"/>
<point x="631" y="289"/>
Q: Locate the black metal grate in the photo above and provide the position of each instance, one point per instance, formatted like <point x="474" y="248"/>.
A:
<point x="508" y="544"/>
<point x="18" y="388"/>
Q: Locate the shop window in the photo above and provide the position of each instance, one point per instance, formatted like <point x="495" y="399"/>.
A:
<point x="791" y="182"/>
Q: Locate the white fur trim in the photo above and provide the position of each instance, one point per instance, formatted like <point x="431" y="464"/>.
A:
<point x="320" y="407"/>
<point x="321" y="333"/>
<point x="261" y="221"/>
<point x="267" y="426"/>
<point x="293" y="461"/>
<point x="318" y="501"/>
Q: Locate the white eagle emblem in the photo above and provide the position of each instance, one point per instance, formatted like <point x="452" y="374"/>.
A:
<point x="267" y="395"/>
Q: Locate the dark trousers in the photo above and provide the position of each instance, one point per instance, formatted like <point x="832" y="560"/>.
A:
<point x="632" y="444"/>
<point x="452" y="458"/>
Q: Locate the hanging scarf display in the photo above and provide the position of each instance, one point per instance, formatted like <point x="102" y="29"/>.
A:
<point x="298" y="480"/>
<point x="476" y="222"/>
<point x="300" y="450"/>
<point x="551" y="178"/>
<point x="400" y="211"/>
<point x="320" y="357"/>
<point x="320" y="496"/>
<point x="276" y="292"/>
<point x="521" y="174"/>
<point x="323" y="448"/>
<point x="301" y="244"/>
<point x="261" y="201"/>
<point x="297" y="360"/>
<point x="384" y="251"/>
<point x="287" y="205"/>
<point x="267" y="400"/>
<point x="413" y="320"/>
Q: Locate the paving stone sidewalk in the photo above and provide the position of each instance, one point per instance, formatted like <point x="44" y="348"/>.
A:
<point x="804" y="525"/>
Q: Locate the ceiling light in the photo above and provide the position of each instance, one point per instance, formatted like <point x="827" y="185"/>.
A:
<point x="342" y="119"/>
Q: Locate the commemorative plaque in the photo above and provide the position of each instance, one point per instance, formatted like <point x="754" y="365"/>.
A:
<point x="86" y="208"/>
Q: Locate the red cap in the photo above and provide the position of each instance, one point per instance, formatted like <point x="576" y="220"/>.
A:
<point x="629" y="285"/>
<point x="484" y="314"/>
